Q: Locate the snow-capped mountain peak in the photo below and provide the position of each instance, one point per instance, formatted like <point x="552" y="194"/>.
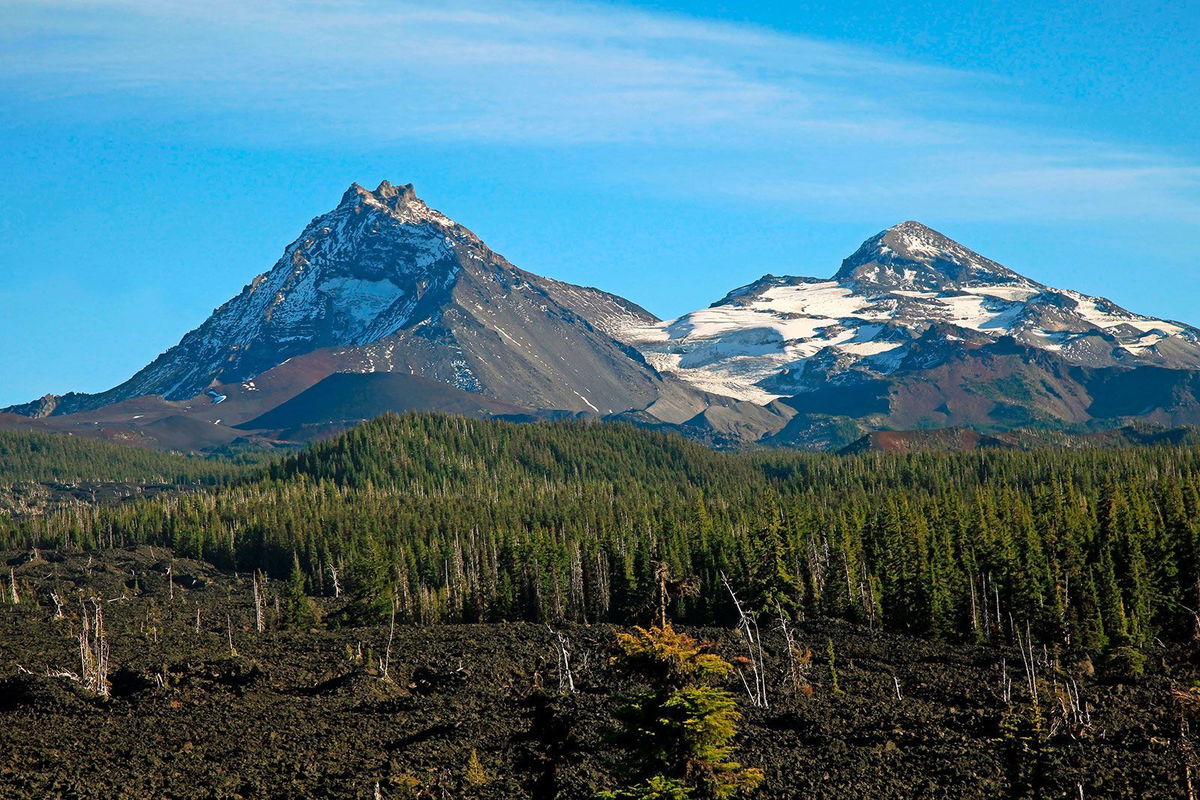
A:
<point x="355" y="274"/>
<point x="786" y="335"/>
<point x="384" y="283"/>
<point x="915" y="257"/>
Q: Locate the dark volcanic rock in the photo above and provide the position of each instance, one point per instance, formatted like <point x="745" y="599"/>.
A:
<point x="307" y="713"/>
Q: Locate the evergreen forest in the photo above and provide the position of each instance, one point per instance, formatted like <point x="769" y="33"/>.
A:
<point x="449" y="519"/>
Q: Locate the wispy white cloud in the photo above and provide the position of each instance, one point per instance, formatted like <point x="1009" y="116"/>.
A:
<point x="822" y="126"/>
<point x="514" y="72"/>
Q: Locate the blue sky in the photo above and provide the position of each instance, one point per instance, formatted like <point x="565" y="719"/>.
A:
<point x="157" y="155"/>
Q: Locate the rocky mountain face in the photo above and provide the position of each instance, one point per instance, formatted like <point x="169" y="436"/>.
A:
<point x="914" y="331"/>
<point x="383" y="283"/>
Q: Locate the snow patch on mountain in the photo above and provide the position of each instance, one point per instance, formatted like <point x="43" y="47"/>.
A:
<point x="353" y="276"/>
<point x="784" y="335"/>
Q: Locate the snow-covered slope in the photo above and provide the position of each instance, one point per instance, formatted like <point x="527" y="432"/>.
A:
<point x="782" y="336"/>
<point x="352" y="277"/>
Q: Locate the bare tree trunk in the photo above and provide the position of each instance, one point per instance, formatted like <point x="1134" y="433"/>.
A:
<point x="337" y="585"/>
<point x="93" y="649"/>
<point x="661" y="575"/>
<point x="974" y="612"/>
<point x="797" y="660"/>
<point x="987" y="614"/>
<point x="258" y="605"/>
<point x="566" y="680"/>
<point x="748" y="627"/>
<point x="386" y="664"/>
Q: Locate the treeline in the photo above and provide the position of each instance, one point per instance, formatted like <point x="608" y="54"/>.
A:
<point x="62" y="458"/>
<point x="464" y="520"/>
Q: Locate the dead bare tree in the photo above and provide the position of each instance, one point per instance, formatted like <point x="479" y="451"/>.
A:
<point x="337" y="584"/>
<point x="12" y="587"/>
<point x="58" y="606"/>
<point x="229" y="633"/>
<point x="385" y="663"/>
<point x="197" y="619"/>
<point x="566" y="679"/>
<point x="1025" y="646"/>
<point x="798" y="659"/>
<point x="1076" y="715"/>
<point x="748" y="628"/>
<point x="987" y="614"/>
<point x="258" y="605"/>
<point x="974" y="610"/>
<point x="93" y="649"/>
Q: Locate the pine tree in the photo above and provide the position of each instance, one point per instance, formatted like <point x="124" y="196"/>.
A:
<point x="474" y="774"/>
<point x="369" y="585"/>
<point x="772" y="589"/>
<point x="299" y="609"/>
<point x="676" y="730"/>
